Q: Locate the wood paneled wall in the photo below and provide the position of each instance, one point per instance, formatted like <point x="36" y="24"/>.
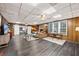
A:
<point x="77" y="33"/>
<point x="73" y="35"/>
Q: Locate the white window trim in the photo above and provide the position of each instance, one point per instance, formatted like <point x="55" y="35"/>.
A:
<point x="59" y="27"/>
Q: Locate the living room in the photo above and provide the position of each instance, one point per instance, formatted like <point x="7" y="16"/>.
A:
<point x="49" y="32"/>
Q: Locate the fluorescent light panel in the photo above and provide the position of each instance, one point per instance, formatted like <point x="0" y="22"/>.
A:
<point x="49" y="11"/>
<point x="57" y="16"/>
<point x="18" y="22"/>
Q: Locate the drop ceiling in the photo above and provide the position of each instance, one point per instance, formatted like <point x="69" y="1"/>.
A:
<point x="29" y="13"/>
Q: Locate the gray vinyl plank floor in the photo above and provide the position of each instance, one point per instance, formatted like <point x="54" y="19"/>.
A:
<point x="21" y="47"/>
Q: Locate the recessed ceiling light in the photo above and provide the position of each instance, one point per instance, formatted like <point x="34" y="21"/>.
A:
<point x="43" y="17"/>
<point x="18" y="22"/>
<point x="57" y="16"/>
<point x="49" y="11"/>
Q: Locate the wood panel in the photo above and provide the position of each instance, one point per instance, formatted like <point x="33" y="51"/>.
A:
<point x="73" y="35"/>
<point x="73" y="28"/>
<point x="77" y="33"/>
<point x="70" y="30"/>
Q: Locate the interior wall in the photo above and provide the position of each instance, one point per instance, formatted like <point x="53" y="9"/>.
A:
<point x="11" y="28"/>
<point x="35" y="28"/>
<point x="29" y="29"/>
<point x="16" y="29"/>
<point x="73" y="35"/>
<point x="77" y="33"/>
<point x="44" y="27"/>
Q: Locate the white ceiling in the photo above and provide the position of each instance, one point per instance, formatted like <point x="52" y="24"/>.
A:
<point x="29" y="13"/>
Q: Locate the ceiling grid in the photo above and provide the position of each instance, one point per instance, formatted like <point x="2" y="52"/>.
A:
<point x="29" y="13"/>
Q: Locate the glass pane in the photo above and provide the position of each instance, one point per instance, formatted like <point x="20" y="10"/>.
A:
<point x="63" y="28"/>
<point x="56" y="27"/>
<point x="49" y="27"/>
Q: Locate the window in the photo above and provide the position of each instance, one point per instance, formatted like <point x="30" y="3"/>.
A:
<point x="59" y="27"/>
<point x="63" y="27"/>
<point x="56" y="27"/>
<point x="49" y="27"/>
<point x="52" y="27"/>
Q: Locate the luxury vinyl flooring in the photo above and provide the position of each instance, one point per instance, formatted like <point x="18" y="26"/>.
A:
<point x="21" y="47"/>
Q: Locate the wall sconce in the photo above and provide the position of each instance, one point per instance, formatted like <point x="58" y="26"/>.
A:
<point x="45" y="25"/>
<point x="77" y="29"/>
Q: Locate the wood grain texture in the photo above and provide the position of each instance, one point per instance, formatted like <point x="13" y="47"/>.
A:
<point x="73" y="35"/>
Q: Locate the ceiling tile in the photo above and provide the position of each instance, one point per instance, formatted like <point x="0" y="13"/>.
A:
<point x="12" y="7"/>
<point x="60" y="6"/>
<point x="30" y="14"/>
<point x="75" y="6"/>
<point x="25" y="10"/>
<point x="43" y="6"/>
